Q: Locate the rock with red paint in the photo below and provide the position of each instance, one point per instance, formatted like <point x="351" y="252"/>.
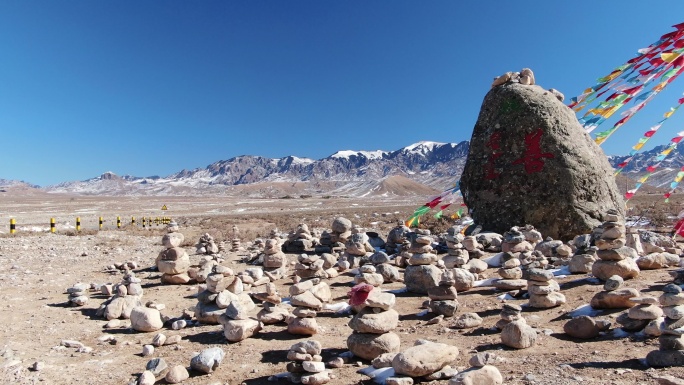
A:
<point x="529" y="157"/>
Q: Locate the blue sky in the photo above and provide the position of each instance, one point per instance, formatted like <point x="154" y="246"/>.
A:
<point x="150" y="88"/>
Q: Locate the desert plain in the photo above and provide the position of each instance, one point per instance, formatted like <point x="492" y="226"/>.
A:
<point x="37" y="267"/>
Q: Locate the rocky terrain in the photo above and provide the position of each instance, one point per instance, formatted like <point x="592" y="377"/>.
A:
<point x="47" y="341"/>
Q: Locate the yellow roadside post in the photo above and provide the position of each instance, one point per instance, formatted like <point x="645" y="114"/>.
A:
<point x="52" y="225"/>
<point x="13" y="225"/>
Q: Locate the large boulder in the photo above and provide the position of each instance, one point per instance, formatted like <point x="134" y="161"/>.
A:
<point x="420" y="278"/>
<point x="530" y="161"/>
<point x="424" y="358"/>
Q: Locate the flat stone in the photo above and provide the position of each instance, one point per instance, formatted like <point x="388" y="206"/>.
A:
<point x="583" y="327"/>
<point x="617" y="299"/>
<point x="467" y="321"/>
<point x="368" y="321"/>
<point x="486" y="375"/>
<point x="519" y="335"/>
<point x="177" y="374"/>
<point x="424" y="359"/>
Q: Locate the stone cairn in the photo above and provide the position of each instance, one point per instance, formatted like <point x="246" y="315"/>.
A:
<point x="396" y="239"/>
<point x="443" y="298"/>
<point x="308" y="297"/>
<point x="475" y="249"/>
<point x="274" y="260"/>
<point x="299" y="240"/>
<point x="615" y="258"/>
<point x="671" y="350"/>
<point x="236" y="321"/>
<point x="422" y="272"/>
<point x="173" y="262"/>
<point x="206" y="245"/>
<point x="639" y="316"/>
<point x="382" y="264"/>
<point x="273" y="311"/>
<point x="456" y="256"/>
<point x="357" y="249"/>
<point x="306" y="364"/>
<point x="543" y="290"/>
<point x="373" y="323"/>
<point x="124" y="297"/>
<point x="515" y="332"/>
<point x="78" y="294"/>
<point x="314" y="266"/>
<point x="510" y="272"/>
<point x="584" y="257"/>
<point x="613" y="295"/>
<point x="235" y="242"/>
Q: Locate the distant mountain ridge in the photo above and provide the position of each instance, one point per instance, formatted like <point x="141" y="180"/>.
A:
<point x="433" y="165"/>
<point x="663" y="175"/>
<point x="419" y="169"/>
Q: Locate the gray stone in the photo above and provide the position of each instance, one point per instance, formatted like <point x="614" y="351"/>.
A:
<point x="208" y="360"/>
<point x="468" y="320"/>
<point x="424" y="359"/>
<point x="486" y="375"/>
<point x="303" y="326"/>
<point x="617" y="299"/>
<point x="665" y="358"/>
<point x="368" y="321"/>
<point x="527" y="143"/>
<point x="177" y="374"/>
<point x="481" y="359"/>
<point x="383" y="360"/>
<point x="157" y="366"/>
<point x="144" y="319"/>
<point x="583" y="327"/>
<point x="420" y="278"/>
<point x="311" y="347"/>
<point x="368" y="346"/>
<point x="581" y="263"/>
<point x="519" y="335"/>
<point x="446" y="308"/>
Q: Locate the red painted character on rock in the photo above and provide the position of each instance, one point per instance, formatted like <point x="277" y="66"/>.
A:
<point x="533" y="159"/>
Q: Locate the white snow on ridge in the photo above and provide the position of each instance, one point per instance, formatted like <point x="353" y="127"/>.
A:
<point x="377" y="154"/>
<point x="296" y="160"/>
<point x="422" y="146"/>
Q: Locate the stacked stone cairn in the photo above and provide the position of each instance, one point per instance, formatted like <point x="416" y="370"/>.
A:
<point x="510" y="272"/>
<point x="274" y="260"/>
<point x="443" y="298"/>
<point x="78" y="294"/>
<point x="124" y="297"/>
<point x="173" y="262"/>
<point x="373" y="323"/>
<point x="585" y="255"/>
<point x="613" y="295"/>
<point x="396" y="239"/>
<point x="543" y="290"/>
<point x="457" y="256"/>
<point x="206" y="245"/>
<point x="235" y="241"/>
<point x="357" y="248"/>
<point x="273" y="311"/>
<point x="382" y="264"/>
<point x="615" y="258"/>
<point x="206" y="266"/>
<point x="235" y="305"/>
<point x="515" y="332"/>
<point x="639" y="316"/>
<point x="341" y="231"/>
<point x="308" y="297"/>
<point x="306" y="365"/>
<point x="671" y="350"/>
<point x="422" y="272"/>
<point x="221" y="289"/>
<point x="368" y="274"/>
<point x="325" y="244"/>
<point x="475" y="249"/>
<point x="300" y="240"/>
<point x="314" y="266"/>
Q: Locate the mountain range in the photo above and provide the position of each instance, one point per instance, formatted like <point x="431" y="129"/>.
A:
<point x="422" y="168"/>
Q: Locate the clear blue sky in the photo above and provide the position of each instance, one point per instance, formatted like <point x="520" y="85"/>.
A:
<point x="152" y="87"/>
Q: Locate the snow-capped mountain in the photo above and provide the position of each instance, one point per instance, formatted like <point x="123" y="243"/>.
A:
<point x="432" y="164"/>
<point x="664" y="172"/>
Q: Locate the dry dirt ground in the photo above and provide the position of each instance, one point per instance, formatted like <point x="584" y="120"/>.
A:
<point x="37" y="267"/>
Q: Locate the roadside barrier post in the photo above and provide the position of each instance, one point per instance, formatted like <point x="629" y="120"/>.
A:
<point x="52" y="225"/>
<point x="78" y="223"/>
<point x="143" y="222"/>
<point x="118" y="222"/>
<point x="100" y="223"/>
<point x="132" y="221"/>
<point x="13" y="225"/>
